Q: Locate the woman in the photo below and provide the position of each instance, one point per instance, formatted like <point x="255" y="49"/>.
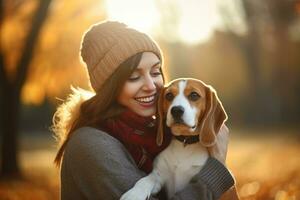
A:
<point x="108" y="138"/>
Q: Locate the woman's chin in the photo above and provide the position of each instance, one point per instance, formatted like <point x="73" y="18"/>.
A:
<point x="146" y="112"/>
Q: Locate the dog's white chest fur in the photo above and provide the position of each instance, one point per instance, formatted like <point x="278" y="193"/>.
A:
<point x="177" y="164"/>
<point x="173" y="169"/>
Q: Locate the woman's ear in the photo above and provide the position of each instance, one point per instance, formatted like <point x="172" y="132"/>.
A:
<point x="161" y="118"/>
<point x="212" y="119"/>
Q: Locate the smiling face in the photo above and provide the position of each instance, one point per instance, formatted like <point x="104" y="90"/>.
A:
<point x="184" y="102"/>
<point x="140" y="91"/>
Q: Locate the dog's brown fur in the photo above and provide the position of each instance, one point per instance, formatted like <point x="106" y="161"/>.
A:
<point x="210" y="120"/>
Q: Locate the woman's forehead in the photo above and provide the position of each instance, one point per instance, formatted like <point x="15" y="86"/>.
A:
<point x="149" y="60"/>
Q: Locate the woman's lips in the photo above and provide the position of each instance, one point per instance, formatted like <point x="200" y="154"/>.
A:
<point x="147" y="101"/>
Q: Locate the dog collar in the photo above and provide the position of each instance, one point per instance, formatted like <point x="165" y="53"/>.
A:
<point x="187" y="139"/>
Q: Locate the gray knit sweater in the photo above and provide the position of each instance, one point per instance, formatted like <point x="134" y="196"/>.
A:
<point x="97" y="166"/>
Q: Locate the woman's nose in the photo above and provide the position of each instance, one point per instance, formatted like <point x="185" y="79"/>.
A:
<point x="149" y="83"/>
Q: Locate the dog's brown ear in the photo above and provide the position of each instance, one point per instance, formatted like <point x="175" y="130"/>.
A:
<point x="161" y="118"/>
<point x="212" y="119"/>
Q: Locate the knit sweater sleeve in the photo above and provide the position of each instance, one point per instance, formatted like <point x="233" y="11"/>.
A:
<point x="97" y="166"/>
<point x="209" y="184"/>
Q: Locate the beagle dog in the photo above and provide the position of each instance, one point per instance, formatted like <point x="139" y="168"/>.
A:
<point x="193" y="112"/>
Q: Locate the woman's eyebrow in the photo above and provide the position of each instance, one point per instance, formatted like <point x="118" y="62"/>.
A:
<point x="158" y="63"/>
<point x="154" y="65"/>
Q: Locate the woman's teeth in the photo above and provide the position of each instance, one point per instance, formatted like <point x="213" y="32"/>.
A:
<point x="146" y="99"/>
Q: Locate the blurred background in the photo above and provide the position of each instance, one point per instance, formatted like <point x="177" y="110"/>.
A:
<point x="248" y="50"/>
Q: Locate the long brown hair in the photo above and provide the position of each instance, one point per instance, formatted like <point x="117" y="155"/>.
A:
<point x="84" y="108"/>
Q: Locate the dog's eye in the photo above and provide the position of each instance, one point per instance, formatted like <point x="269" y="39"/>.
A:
<point x="194" y="96"/>
<point x="169" y="96"/>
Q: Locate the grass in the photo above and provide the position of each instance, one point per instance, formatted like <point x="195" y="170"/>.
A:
<point x="266" y="166"/>
<point x="40" y="179"/>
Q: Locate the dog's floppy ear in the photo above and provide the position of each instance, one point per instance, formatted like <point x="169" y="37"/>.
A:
<point x="161" y="118"/>
<point x="212" y="119"/>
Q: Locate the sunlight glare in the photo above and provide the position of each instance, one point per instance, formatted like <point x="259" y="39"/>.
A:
<point x="198" y="20"/>
<point x="141" y="15"/>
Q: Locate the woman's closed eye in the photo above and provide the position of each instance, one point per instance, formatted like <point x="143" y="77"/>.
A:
<point x="156" y="72"/>
<point x="133" y="78"/>
<point x="137" y="76"/>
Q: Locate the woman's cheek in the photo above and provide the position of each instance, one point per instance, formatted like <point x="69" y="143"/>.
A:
<point x="159" y="82"/>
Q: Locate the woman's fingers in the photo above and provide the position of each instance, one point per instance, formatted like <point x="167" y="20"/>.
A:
<point x="219" y="150"/>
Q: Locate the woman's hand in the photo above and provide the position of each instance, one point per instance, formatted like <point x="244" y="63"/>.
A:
<point x="219" y="150"/>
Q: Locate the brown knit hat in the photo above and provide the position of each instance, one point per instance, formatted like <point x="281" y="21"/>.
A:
<point x="108" y="44"/>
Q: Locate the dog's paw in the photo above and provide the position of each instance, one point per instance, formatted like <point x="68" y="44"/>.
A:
<point x="143" y="189"/>
<point x="156" y="189"/>
<point x="135" y="194"/>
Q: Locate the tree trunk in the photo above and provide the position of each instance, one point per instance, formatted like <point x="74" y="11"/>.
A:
<point x="258" y="108"/>
<point x="10" y="95"/>
<point x="9" y="129"/>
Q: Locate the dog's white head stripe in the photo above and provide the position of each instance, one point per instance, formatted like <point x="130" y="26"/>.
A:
<point x="189" y="115"/>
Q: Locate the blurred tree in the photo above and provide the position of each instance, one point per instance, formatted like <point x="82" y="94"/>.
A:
<point x="39" y="59"/>
<point x="170" y="15"/>
<point x="266" y="48"/>
<point x="11" y="88"/>
<point x="168" y="31"/>
<point x="282" y="56"/>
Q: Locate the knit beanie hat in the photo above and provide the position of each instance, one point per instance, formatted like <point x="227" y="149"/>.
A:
<point x="108" y="44"/>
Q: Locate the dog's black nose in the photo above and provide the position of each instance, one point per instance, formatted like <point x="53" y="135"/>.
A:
<point x="177" y="112"/>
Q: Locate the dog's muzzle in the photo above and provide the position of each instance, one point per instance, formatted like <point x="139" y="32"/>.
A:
<point x="177" y="113"/>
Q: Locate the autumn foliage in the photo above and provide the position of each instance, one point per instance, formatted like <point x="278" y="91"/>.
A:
<point x="265" y="168"/>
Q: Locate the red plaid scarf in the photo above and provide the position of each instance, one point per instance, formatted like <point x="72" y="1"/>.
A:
<point x="138" y="135"/>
